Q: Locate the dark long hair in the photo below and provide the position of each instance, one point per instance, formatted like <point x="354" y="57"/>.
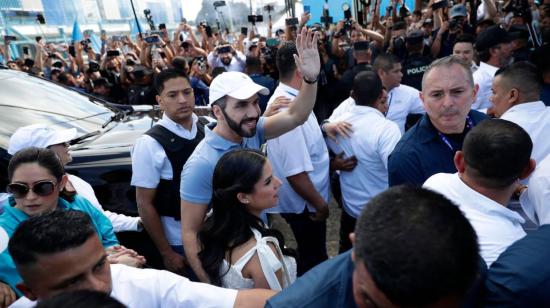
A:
<point x="230" y="225"/>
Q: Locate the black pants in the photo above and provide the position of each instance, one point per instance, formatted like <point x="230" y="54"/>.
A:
<point x="347" y="226"/>
<point x="311" y="239"/>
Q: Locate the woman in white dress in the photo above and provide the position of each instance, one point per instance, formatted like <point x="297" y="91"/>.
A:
<point x="238" y="250"/>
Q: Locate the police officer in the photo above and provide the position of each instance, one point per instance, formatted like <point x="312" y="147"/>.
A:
<point x="416" y="61"/>
<point x="362" y="55"/>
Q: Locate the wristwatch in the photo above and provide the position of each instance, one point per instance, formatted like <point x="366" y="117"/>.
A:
<point x="311" y="81"/>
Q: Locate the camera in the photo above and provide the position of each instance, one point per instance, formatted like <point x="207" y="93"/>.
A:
<point x="218" y="4"/>
<point x="201" y="64"/>
<point x="152" y="39"/>
<point x="113" y="53"/>
<point x="291" y="21"/>
<point x="347" y="25"/>
<point x="255" y="18"/>
<point x="398" y="43"/>
<point x="185" y="45"/>
<point x="224" y="49"/>
<point x="453" y="24"/>
<point x="85" y="42"/>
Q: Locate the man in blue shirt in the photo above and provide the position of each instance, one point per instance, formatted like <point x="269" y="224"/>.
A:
<point x="448" y="92"/>
<point x="412" y="247"/>
<point x="234" y="100"/>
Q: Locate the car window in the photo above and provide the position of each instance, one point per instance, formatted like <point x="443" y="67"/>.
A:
<point x="26" y="100"/>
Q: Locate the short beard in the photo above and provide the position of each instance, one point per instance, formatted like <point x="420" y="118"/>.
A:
<point x="237" y="127"/>
<point x="226" y="61"/>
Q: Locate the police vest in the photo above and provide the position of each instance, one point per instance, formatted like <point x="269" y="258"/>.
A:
<point x="413" y="70"/>
<point x="178" y="150"/>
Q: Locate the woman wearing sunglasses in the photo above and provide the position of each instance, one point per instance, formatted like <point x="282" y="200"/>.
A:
<point x="37" y="180"/>
<point x="238" y="250"/>
<point x="41" y="136"/>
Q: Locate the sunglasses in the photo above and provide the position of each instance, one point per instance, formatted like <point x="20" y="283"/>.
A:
<point x="42" y="188"/>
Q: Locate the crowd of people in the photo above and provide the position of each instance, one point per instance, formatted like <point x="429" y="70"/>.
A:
<point x="424" y="125"/>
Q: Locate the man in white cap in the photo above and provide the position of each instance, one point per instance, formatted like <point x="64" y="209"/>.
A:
<point x="42" y="136"/>
<point x="234" y="100"/>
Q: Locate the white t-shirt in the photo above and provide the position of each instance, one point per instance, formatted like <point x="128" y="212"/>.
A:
<point x="120" y="222"/>
<point x="302" y="149"/>
<point x="402" y="101"/>
<point x="534" y="118"/>
<point x="149" y="288"/>
<point x="536" y="199"/>
<point x="150" y="164"/>
<point x="483" y="77"/>
<point x="496" y="226"/>
<point x="373" y="139"/>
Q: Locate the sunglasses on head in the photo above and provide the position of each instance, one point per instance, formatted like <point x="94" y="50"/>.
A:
<point x="42" y="188"/>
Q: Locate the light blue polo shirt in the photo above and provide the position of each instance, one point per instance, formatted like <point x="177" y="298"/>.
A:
<point x="196" y="177"/>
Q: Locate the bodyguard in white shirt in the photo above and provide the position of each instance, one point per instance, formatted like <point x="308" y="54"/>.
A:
<point x="494" y="51"/>
<point x="156" y="172"/>
<point x="516" y="98"/>
<point x="402" y="99"/>
<point x="300" y="159"/>
<point x="537" y="195"/>
<point x="371" y="142"/>
<point x="495" y="156"/>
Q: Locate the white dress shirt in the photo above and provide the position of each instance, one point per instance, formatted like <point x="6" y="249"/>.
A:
<point x="536" y="199"/>
<point x="302" y="149"/>
<point x="238" y="62"/>
<point x="371" y="142"/>
<point x="120" y="222"/>
<point x="150" y="164"/>
<point x="402" y="101"/>
<point x="496" y="226"/>
<point x="483" y="77"/>
<point x="137" y="288"/>
<point x="534" y="118"/>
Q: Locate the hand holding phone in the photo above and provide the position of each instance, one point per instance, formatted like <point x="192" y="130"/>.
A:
<point x="224" y="49"/>
<point x="153" y="39"/>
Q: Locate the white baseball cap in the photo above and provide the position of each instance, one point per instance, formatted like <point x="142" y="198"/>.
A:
<point x="235" y="84"/>
<point x="38" y="135"/>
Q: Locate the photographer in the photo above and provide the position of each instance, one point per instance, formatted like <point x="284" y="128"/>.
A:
<point x="226" y="56"/>
<point x="395" y="38"/>
<point x="200" y="80"/>
<point x="457" y="24"/>
<point x="141" y="92"/>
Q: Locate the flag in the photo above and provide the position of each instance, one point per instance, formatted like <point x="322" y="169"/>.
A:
<point x="77" y="33"/>
<point x="134" y="30"/>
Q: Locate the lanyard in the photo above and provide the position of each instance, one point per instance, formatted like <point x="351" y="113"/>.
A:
<point x="469" y="125"/>
<point x="291" y="94"/>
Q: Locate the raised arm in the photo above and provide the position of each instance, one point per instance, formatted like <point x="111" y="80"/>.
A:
<point x="308" y="63"/>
